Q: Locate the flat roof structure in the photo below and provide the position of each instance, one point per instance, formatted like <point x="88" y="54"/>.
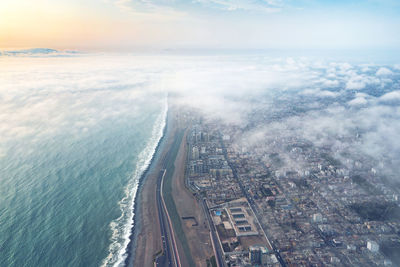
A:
<point x="241" y="218"/>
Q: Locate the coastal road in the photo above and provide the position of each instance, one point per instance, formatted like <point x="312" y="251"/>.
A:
<point x="165" y="258"/>
<point x="170" y="257"/>
<point x="214" y="239"/>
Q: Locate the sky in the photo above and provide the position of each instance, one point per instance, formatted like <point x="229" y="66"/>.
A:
<point x="123" y="25"/>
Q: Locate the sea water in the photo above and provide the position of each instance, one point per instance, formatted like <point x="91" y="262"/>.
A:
<point x="76" y="133"/>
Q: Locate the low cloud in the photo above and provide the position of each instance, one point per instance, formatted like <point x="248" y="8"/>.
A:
<point x="269" y="98"/>
<point x="39" y="100"/>
<point x="247" y="5"/>
<point x="384" y="72"/>
<point x="172" y="8"/>
<point x="294" y="99"/>
<point x="391" y="97"/>
<point x="355" y="84"/>
<point x="319" y="93"/>
<point x="358" y="101"/>
<point x="330" y="83"/>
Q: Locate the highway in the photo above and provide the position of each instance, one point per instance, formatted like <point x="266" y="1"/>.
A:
<point x="165" y="259"/>
<point x="217" y="248"/>
<point x="170" y="256"/>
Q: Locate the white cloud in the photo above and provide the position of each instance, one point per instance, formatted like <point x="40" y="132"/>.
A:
<point x="328" y="93"/>
<point x="319" y="93"/>
<point x="365" y="69"/>
<point x="39" y="100"/>
<point x="148" y="9"/>
<point x="356" y="81"/>
<point x="160" y="7"/>
<point x="391" y="96"/>
<point x="246" y="5"/>
<point x="330" y="83"/>
<point x="89" y="91"/>
<point x="358" y="101"/>
<point x="345" y="66"/>
<point x="355" y="84"/>
<point x="384" y="72"/>
<point x="328" y="121"/>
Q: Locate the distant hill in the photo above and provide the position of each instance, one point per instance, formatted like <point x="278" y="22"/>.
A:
<point x="37" y="52"/>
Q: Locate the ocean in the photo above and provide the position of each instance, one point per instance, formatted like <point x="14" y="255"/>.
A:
<point x="76" y="134"/>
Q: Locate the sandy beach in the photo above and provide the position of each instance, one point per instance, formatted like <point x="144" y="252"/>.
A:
<point x="147" y="237"/>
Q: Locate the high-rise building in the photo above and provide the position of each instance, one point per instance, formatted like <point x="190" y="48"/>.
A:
<point x="255" y="255"/>
<point x="264" y="256"/>
<point x="195" y="153"/>
<point x="205" y="137"/>
<point x="317" y="218"/>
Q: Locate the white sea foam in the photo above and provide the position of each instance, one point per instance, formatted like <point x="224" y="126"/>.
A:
<point x="122" y="227"/>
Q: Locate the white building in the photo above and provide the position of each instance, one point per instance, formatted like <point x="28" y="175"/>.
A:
<point x="317" y="218"/>
<point x="195" y="153"/>
<point x="226" y="137"/>
<point x="373" y="246"/>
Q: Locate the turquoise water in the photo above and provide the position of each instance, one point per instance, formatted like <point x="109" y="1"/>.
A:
<point x="73" y="143"/>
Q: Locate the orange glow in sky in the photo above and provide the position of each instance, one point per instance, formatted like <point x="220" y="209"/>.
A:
<point x="123" y="24"/>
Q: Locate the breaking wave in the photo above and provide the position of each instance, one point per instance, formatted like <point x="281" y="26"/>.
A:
<point x="122" y="227"/>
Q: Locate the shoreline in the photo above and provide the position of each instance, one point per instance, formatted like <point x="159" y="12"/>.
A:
<point x="145" y="240"/>
<point x="145" y="184"/>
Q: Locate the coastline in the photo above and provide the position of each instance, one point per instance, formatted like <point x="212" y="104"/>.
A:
<point x="143" y="241"/>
